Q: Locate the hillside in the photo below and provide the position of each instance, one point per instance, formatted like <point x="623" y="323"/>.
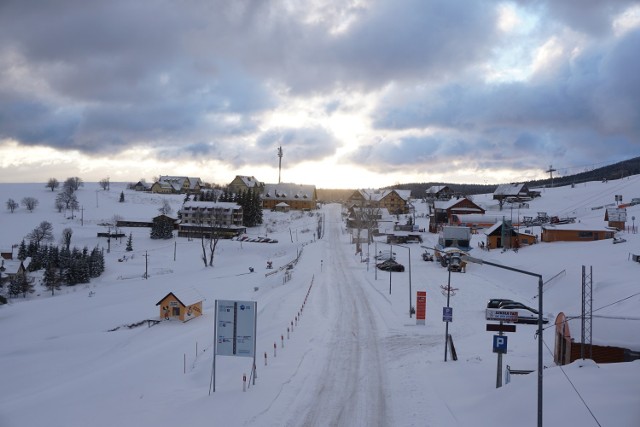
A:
<point x="609" y="172"/>
<point x="348" y="353"/>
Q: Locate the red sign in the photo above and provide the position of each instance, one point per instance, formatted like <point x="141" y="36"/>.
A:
<point x="421" y="307"/>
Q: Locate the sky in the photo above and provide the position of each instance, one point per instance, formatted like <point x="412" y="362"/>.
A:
<point x="357" y="93"/>
<point x="353" y="356"/>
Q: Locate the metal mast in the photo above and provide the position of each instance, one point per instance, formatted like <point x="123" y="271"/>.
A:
<point x="550" y="171"/>
<point x="587" y="312"/>
<point x="279" y="162"/>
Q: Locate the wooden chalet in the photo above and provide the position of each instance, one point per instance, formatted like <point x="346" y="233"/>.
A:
<point x="443" y="212"/>
<point x="576" y="232"/>
<point x="395" y="201"/>
<point x="242" y="183"/>
<point x="177" y="185"/>
<point x="183" y="305"/>
<point x="503" y="235"/>
<point x="616" y="217"/>
<point x="297" y="196"/>
<point x="439" y="192"/>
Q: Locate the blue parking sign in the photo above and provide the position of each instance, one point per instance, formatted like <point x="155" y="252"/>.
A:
<point x="447" y="314"/>
<point x="499" y="343"/>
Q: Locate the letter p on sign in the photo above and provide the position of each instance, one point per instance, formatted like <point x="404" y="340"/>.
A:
<point x="499" y="344"/>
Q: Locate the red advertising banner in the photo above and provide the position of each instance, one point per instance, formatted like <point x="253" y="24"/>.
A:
<point x="421" y="307"/>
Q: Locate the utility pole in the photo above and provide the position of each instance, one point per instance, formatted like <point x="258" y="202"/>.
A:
<point x="279" y="162"/>
<point x="550" y="171"/>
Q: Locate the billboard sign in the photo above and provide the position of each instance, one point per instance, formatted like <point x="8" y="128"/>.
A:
<point x="509" y="316"/>
<point x="235" y="328"/>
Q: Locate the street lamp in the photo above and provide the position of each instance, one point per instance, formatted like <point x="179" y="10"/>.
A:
<point x="528" y="273"/>
<point x="452" y="261"/>
<point x="391" y="253"/>
<point x="410" y="305"/>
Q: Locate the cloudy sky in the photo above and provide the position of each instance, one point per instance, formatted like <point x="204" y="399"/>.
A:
<point x="358" y="93"/>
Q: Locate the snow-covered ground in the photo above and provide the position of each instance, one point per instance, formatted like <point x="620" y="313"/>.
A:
<point x="354" y="358"/>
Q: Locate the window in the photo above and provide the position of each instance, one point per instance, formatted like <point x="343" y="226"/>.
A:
<point x="585" y="234"/>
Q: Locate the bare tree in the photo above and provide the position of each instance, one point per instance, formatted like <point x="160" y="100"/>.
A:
<point x="74" y="183"/>
<point x="365" y="217"/>
<point x="52" y="184"/>
<point x="12" y="205"/>
<point x="30" y="203"/>
<point x="165" y="209"/>
<point x="66" y="237"/>
<point x="42" y="233"/>
<point x="68" y="198"/>
<point x="210" y="229"/>
<point x="104" y="183"/>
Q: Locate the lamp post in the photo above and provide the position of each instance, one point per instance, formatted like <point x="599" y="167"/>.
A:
<point x="410" y="300"/>
<point x="391" y="253"/>
<point x="446" y="327"/>
<point x="540" y="283"/>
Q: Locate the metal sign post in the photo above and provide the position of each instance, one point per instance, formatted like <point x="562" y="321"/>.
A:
<point x="235" y="325"/>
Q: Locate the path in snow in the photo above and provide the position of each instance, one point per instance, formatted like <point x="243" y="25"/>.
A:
<point x="350" y="387"/>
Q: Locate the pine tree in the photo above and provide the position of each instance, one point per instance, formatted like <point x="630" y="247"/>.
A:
<point x="129" y="247"/>
<point x="50" y="280"/>
<point x="161" y="230"/>
<point x="122" y="197"/>
<point x="22" y="251"/>
<point x="96" y="262"/>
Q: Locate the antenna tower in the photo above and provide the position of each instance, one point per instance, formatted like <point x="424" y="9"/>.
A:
<point x="279" y="162"/>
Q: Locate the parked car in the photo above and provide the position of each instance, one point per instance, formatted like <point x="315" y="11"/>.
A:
<point x="525" y="314"/>
<point x="385" y="255"/>
<point x="390" y="265"/>
<point x="495" y="302"/>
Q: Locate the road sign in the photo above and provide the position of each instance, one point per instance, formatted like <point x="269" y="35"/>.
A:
<point x="499" y="343"/>
<point x="447" y="314"/>
<point x="494" y="327"/>
<point x="510" y="316"/>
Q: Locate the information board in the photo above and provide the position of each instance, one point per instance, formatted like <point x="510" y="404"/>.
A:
<point x="235" y="328"/>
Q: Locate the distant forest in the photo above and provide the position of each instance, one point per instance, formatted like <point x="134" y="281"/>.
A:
<point x="614" y="171"/>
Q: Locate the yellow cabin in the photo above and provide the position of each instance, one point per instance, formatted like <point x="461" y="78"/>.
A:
<point x="184" y="305"/>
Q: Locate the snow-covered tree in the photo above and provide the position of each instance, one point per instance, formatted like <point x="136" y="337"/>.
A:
<point x="12" y="205"/>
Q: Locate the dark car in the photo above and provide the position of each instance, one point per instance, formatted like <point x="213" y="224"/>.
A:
<point x="390" y="265"/>
<point x="496" y="302"/>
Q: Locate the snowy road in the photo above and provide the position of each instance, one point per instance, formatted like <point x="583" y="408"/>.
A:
<point x="349" y="385"/>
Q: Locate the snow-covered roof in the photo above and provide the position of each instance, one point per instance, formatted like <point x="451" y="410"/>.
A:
<point x="177" y="182"/>
<point x="509" y="189"/>
<point x="289" y="191"/>
<point x="210" y="205"/>
<point x="435" y="189"/>
<point x="186" y="297"/>
<point x="578" y="226"/>
<point x="249" y="181"/>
